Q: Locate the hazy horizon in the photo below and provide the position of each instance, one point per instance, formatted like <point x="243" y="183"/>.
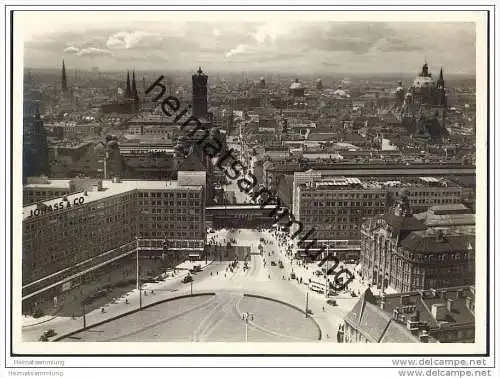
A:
<point x="168" y="41"/>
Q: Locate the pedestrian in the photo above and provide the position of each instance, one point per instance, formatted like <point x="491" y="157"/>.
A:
<point x="102" y="310"/>
<point x="323" y="308"/>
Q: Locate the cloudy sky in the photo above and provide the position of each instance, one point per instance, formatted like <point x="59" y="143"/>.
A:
<point x="228" y="42"/>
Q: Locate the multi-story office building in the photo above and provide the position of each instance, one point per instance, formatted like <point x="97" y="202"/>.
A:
<point x="41" y="189"/>
<point x="68" y="235"/>
<point x="402" y="253"/>
<point x="432" y="316"/>
<point x="336" y="206"/>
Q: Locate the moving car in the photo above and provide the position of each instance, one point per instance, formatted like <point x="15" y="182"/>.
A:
<point x="281" y="265"/>
<point x="196" y="269"/>
<point x="273" y="263"/>
<point x="187" y="279"/>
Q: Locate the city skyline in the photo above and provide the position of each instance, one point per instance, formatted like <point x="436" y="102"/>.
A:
<point x="143" y="42"/>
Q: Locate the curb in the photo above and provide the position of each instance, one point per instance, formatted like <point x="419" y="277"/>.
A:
<point x="54" y="316"/>
<point x="289" y="305"/>
<point x="129" y="313"/>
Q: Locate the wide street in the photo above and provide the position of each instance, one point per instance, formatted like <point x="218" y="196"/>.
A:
<point x="218" y="317"/>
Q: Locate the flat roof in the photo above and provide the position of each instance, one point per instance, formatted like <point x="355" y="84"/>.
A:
<point x="110" y="189"/>
<point x="52" y="184"/>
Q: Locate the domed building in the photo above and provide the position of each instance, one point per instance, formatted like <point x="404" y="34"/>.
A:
<point x="424" y="106"/>
<point x="341" y="93"/>
<point x="319" y="85"/>
<point x="297" y="89"/>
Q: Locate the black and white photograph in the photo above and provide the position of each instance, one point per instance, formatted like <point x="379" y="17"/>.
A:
<point x="263" y="182"/>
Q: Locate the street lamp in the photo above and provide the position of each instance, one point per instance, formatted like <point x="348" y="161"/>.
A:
<point x="137" y="261"/>
<point x="83" y="310"/>
<point x="138" y="284"/>
<point x="246" y="316"/>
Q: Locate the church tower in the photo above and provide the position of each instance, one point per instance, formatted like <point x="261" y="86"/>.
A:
<point x="128" y="90"/>
<point x="64" y="80"/>
<point x="200" y="107"/>
<point x="441" y="89"/>
<point x="135" y="96"/>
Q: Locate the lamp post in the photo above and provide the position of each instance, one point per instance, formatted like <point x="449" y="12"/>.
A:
<point x="137" y="261"/>
<point x="140" y="297"/>
<point x="307" y="303"/>
<point x="191" y="287"/>
<point x="246" y="316"/>
<point x="138" y="284"/>
<point x="83" y="310"/>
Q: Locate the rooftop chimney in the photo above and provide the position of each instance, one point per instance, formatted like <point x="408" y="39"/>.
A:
<point x="439" y="311"/>
<point x="440" y="237"/>
<point x="395" y="314"/>
<point x="468" y="302"/>
<point x="405" y="299"/>
<point x="450" y="305"/>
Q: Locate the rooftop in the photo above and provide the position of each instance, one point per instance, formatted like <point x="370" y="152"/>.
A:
<point x="385" y="319"/>
<point x="109" y="189"/>
<point x="50" y="184"/>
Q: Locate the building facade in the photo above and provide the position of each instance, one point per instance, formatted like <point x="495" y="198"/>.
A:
<point x="336" y="206"/>
<point x="401" y="252"/>
<point x="71" y="233"/>
<point x="35" y="145"/>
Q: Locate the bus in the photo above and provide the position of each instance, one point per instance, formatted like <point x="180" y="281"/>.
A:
<point x="318" y="284"/>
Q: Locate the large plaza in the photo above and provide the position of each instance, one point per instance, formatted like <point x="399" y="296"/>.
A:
<point x="264" y="290"/>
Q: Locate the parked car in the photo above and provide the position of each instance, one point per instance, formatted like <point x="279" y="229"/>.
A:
<point x="331" y="302"/>
<point x="293" y="276"/>
<point x="49" y="333"/>
<point x="281" y="265"/>
<point x="273" y="263"/>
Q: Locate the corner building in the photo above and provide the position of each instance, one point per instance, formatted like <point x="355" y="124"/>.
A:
<point x="66" y="236"/>
<point x="401" y="252"/>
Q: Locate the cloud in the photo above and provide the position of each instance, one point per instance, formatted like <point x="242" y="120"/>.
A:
<point x="264" y="35"/>
<point x="275" y="58"/>
<point x="71" y="49"/>
<point x="330" y="64"/>
<point x="240" y="49"/>
<point x="395" y="44"/>
<point x="127" y="40"/>
<point x="93" y="52"/>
